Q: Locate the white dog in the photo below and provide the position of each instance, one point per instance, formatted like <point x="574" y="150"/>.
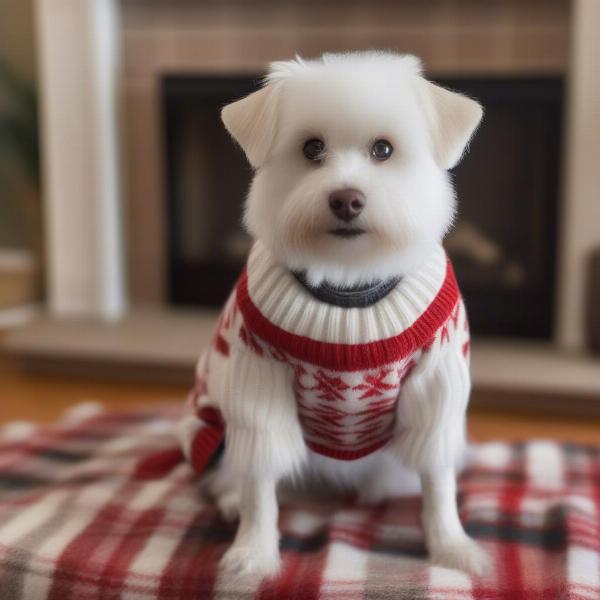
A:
<point x="343" y="351"/>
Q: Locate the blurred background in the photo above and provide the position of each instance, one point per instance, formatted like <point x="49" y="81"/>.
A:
<point x="121" y="193"/>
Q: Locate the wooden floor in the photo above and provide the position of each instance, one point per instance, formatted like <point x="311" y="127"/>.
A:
<point x="42" y="398"/>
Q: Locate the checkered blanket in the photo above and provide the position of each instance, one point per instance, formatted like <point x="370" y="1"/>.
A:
<point x="101" y="506"/>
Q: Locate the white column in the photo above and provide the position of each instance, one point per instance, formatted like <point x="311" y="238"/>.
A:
<point x="580" y="220"/>
<point x="78" y="51"/>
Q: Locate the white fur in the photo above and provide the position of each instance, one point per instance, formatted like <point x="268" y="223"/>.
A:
<point x="348" y="101"/>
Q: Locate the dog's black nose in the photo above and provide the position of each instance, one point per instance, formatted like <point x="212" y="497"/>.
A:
<point x="346" y="204"/>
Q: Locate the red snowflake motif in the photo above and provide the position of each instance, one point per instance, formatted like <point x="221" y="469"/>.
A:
<point x="328" y="387"/>
<point x="405" y="370"/>
<point x="377" y="405"/>
<point x="322" y="412"/>
<point x="249" y="340"/>
<point x="374" y="385"/>
<point x="277" y="354"/>
<point x="326" y="434"/>
<point x="455" y="314"/>
<point x="465" y="348"/>
<point x="367" y="432"/>
<point x="221" y="345"/>
<point x="330" y="416"/>
<point x="445" y="335"/>
<point x="299" y="371"/>
<point x="427" y="346"/>
<point x="376" y="414"/>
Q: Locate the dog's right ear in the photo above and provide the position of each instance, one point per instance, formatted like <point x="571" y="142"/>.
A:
<point x="251" y="122"/>
<point x="453" y="119"/>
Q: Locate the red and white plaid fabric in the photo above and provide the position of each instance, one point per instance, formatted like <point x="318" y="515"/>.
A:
<point x="104" y="507"/>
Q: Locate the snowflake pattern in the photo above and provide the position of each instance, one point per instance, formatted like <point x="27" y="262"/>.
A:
<point x="374" y="385"/>
<point x="357" y="409"/>
<point x="328" y="387"/>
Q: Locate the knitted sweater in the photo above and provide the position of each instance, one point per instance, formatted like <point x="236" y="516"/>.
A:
<point x="347" y="369"/>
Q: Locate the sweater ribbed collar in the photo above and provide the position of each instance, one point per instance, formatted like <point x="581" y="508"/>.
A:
<point x="281" y="299"/>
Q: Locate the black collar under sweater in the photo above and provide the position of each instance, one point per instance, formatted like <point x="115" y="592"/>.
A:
<point x="359" y="296"/>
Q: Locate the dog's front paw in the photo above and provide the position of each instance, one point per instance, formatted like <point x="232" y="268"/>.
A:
<point x="461" y="553"/>
<point x="249" y="561"/>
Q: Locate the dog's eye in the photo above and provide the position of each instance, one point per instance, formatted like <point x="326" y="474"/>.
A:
<point x="313" y="149"/>
<point x="381" y="150"/>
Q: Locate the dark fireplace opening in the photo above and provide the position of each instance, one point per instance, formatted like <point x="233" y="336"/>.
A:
<point x="503" y="245"/>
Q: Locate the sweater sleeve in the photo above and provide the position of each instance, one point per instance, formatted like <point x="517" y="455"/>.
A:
<point x="244" y="395"/>
<point x="430" y="419"/>
<point x="257" y="401"/>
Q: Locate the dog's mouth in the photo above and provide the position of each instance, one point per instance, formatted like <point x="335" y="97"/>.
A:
<point x="347" y="232"/>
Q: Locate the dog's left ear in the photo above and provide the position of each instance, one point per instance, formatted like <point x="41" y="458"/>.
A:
<point x="453" y="119"/>
<point x="251" y="121"/>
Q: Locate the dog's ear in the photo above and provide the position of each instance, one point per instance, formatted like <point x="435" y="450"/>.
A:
<point x="453" y="119"/>
<point x="251" y="121"/>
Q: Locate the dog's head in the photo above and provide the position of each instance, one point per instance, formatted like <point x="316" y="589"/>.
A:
<point x="350" y="155"/>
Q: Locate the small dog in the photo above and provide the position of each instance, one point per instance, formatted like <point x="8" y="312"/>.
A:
<point x="343" y="352"/>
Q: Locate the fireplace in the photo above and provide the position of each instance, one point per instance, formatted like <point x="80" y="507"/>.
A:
<point x="504" y="242"/>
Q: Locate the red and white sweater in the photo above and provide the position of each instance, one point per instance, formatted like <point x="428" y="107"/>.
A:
<point x="358" y="377"/>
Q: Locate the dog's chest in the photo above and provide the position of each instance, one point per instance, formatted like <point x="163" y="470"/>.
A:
<point x="348" y="414"/>
<point x="344" y="414"/>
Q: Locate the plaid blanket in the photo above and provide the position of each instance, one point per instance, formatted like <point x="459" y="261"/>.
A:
<point x="101" y="506"/>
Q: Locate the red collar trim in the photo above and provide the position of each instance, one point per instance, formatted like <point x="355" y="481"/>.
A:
<point x="352" y="357"/>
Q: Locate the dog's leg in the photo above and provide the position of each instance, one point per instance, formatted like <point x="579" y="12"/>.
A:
<point x="448" y="544"/>
<point x="430" y="438"/>
<point x="255" y="550"/>
<point x="263" y="444"/>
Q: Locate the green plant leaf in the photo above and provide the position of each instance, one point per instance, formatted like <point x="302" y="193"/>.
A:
<point x="19" y="140"/>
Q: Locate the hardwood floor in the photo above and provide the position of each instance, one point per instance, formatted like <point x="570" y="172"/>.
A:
<point x="43" y="398"/>
<point x="491" y="424"/>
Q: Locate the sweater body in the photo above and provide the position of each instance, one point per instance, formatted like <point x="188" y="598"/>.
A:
<point x="346" y="367"/>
